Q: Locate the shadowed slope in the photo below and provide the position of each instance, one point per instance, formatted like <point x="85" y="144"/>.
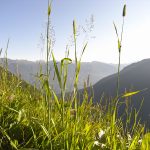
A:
<point x="133" y="77"/>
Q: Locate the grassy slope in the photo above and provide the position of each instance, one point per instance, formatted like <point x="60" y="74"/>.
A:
<point x="24" y="122"/>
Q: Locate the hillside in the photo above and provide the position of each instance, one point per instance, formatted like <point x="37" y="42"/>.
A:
<point x="10" y="81"/>
<point x="133" y="77"/>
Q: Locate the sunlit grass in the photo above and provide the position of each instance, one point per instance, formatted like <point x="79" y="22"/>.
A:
<point x="33" y="119"/>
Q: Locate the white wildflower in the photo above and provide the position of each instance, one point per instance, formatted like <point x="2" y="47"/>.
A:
<point x="103" y="145"/>
<point x="101" y="133"/>
<point x="96" y="143"/>
<point x="140" y="141"/>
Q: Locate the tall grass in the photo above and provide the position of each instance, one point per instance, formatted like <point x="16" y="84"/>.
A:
<point x="120" y="47"/>
<point x="32" y="119"/>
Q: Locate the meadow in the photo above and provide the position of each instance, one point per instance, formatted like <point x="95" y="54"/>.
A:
<point x="32" y="119"/>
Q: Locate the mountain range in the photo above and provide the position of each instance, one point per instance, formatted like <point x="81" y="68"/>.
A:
<point x="102" y="76"/>
<point x="28" y="70"/>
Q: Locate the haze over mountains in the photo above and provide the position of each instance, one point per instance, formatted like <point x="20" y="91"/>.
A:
<point x="103" y="77"/>
<point x="133" y="77"/>
<point x="92" y="70"/>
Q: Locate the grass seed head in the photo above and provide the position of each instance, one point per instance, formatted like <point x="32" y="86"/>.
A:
<point x="124" y="11"/>
<point x="49" y="10"/>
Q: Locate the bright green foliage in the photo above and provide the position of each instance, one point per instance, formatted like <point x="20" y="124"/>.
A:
<point x="146" y="142"/>
<point x="42" y="120"/>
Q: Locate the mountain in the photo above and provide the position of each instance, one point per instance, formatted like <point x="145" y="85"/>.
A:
<point x="133" y="77"/>
<point x="92" y="70"/>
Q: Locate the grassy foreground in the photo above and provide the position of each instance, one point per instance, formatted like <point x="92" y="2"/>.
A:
<point x="30" y="119"/>
<point x="25" y="123"/>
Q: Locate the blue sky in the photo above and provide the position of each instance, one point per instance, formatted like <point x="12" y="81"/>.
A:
<point x="23" y="21"/>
